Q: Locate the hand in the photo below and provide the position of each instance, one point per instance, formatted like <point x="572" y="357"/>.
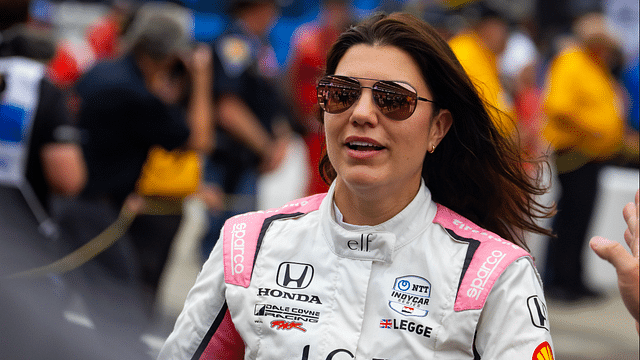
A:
<point x="274" y="157"/>
<point x="134" y="204"/>
<point x="212" y="196"/>
<point x="166" y="87"/>
<point x="626" y="264"/>
<point x="201" y="58"/>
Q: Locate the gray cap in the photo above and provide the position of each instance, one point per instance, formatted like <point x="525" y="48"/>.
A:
<point x="160" y="30"/>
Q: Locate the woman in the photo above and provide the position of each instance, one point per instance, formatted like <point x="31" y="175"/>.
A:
<point x="382" y="267"/>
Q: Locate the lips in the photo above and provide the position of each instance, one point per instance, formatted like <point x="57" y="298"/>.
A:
<point x="362" y="144"/>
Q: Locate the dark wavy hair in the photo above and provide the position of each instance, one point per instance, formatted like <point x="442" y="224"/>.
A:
<point x="476" y="170"/>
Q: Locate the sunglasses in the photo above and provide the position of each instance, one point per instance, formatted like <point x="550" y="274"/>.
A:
<point x="396" y="100"/>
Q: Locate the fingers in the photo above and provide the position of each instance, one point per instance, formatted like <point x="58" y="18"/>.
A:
<point x="202" y="56"/>
<point x="632" y="241"/>
<point x="614" y="253"/>
<point x="631" y="216"/>
<point x="275" y="156"/>
<point x="200" y="61"/>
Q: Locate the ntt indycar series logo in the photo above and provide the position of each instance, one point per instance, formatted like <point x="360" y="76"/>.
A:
<point x="410" y="295"/>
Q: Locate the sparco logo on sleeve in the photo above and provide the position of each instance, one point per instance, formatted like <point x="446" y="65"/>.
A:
<point x="237" y="248"/>
<point x="484" y="273"/>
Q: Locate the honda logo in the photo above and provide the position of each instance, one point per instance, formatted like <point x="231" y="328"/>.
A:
<point x="294" y="275"/>
<point x="538" y="312"/>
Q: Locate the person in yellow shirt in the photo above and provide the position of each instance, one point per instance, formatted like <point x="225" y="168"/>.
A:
<point x="478" y="49"/>
<point x="585" y="127"/>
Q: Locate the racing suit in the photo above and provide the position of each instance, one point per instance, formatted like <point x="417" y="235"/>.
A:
<point x="299" y="284"/>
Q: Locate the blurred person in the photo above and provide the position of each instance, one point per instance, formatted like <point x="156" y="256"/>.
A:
<point x="42" y="317"/>
<point x="253" y="118"/>
<point x="101" y="41"/>
<point x="157" y="94"/>
<point x="519" y="65"/>
<point x="392" y="262"/>
<point x="626" y="263"/>
<point x="585" y="126"/>
<point x="310" y="44"/>
<point x="478" y="48"/>
<point x="438" y="15"/>
<point x="41" y="154"/>
<point x="630" y="76"/>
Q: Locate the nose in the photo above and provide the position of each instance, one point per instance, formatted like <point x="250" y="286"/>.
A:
<point x="365" y="111"/>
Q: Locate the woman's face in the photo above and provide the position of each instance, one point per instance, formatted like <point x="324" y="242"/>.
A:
<point x="370" y="151"/>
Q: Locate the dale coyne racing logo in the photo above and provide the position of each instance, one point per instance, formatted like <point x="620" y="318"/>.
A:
<point x="410" y="295"/>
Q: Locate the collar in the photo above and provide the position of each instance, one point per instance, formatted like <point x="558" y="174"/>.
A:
<point x="378" y="242"/>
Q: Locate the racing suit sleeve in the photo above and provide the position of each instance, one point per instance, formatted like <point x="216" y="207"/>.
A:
<point x="514" y="323"/>
<point x="204" y="329"/>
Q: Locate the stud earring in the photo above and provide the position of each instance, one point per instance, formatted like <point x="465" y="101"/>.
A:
<point x="433" y="148"/>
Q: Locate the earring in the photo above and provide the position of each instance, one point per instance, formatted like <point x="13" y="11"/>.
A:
<point x="433" y="148"/>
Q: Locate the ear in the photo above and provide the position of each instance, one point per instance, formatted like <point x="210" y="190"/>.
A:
<point x="440" y="125"/>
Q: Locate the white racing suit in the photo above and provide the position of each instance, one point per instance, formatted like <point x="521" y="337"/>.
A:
<point x="427" y="284"/>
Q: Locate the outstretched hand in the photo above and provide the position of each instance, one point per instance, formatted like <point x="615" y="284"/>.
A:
<point x="626" y="264"/>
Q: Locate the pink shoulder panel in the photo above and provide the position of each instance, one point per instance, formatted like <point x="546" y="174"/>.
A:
<point x="241" y="235"/>
<point x="490" y="259"/>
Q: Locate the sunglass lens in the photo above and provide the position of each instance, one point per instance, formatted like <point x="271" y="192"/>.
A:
<point x="337" y="94"/>
<point x="396" y="101"/>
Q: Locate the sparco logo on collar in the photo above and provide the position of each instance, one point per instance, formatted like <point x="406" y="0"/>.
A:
<point x="294" y="275"/>
<point x="484" y="272"/>
<point x="237" y="248"/>
<point x="410" y="294"/>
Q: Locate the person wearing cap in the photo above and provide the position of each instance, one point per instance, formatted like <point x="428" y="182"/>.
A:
<point x="128" y="105"/>
<point x="585" y="126"/>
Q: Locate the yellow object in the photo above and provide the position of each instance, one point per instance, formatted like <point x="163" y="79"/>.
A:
<point x="543" y="352"/>
<point x="583" y="109"/>
<point x="456" y="3"/>
<point x="482" y="67"/>
<point x="174" y="174"/>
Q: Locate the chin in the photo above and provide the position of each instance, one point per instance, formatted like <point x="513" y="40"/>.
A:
<point x="363" y="179"/>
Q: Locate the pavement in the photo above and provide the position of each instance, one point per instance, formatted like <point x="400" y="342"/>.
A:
<point x="594" y="330"/>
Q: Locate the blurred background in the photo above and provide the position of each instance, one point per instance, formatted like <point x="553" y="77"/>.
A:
<point x="94" y="311"/>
